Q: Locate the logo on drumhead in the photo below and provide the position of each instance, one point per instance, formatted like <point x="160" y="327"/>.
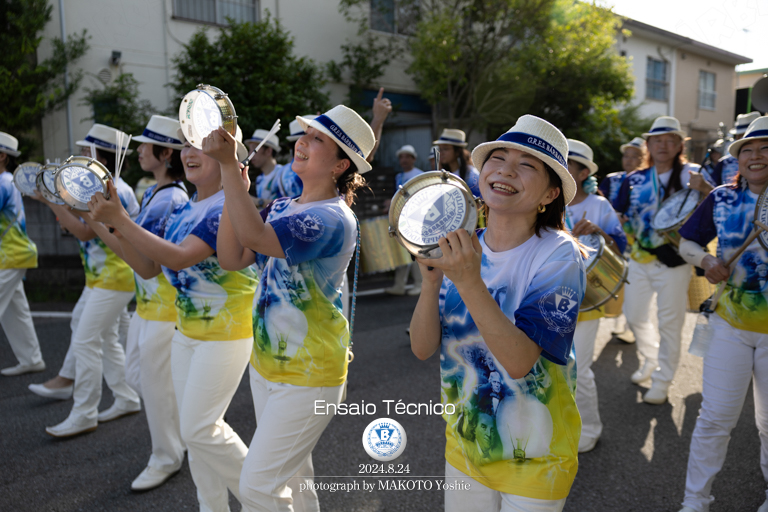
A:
<point x="206" y="113"/>
<point x="81" y="183"/>
<point x="431" y="213"/>
<point x="384" y="439"/>
<point x="557" y="306"/>
<point x="306" y="227"/>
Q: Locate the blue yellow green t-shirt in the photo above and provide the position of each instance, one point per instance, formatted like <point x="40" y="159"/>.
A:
<point x="212" y="304"/>
<point x="103" y="268"/>
<point x="727" y="213"/>
<point x="300" y="334"/>
<point x="517" y="436"/>
<point x="155" y="298"/>
<point x="16" y="249"/>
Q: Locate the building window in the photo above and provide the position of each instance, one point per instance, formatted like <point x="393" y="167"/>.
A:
<point x="707" y="94"/>
<point x="656" y="84"/>
<point x="216" y="11"/>
<point x="393" y="16"/>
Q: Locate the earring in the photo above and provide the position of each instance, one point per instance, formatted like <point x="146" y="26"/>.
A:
<point x="333" y="177"/>
<point x="542" y="208"/>
<point x="168" y="164"/>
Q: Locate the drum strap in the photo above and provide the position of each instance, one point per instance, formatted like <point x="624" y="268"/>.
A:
<point x="169" y="185"/>
<point x="354" y="284"/>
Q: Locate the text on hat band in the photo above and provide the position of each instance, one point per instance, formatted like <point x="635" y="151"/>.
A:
<point x="534" y="142"/>
<point x="339" y="133"/>
<point x="159" y="137"/>
<point x="99" y="142"/>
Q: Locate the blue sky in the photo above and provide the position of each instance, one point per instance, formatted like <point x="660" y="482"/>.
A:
<point x="738" y="26"/>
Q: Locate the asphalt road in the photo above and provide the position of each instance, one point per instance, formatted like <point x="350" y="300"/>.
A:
<point x="638" y="465"/>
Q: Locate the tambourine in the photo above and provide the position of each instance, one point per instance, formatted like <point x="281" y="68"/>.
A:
<point x="673" y="213"/>
<point x="204" y="110"/>
<point x="78" y="179"/>
<point x="427" y="208"/>
<point x="25" y="177"/>
<point x="46" y="185"/>
<point x="761" y="214"/>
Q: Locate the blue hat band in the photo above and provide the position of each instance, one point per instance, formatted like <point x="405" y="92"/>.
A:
<point x="100" y="143"/>
<point x="450" y="139"/>
<point x="339" y="134"/>
<point x="535" y="143"/>
<point x="3" y="146"/>
<point x="663" y="129"/>
<point x="159" y="137"/>
<point x="573" y="153"/>
<point x="742" y="126"/>
<point x="756" y="133"/>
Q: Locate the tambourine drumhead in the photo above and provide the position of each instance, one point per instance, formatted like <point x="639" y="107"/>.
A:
<point x="427" y="208"/>
<point x="203" y="110"/>
<point x="761" y="214"/>
<point x="78" y="179"/>
<point x="595" y="246"/>
<point x="25" y="177"/>
<point x="675" y="210"/>
<point x="46" y="185"/>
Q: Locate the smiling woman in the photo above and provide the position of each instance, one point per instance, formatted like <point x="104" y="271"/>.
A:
<point x="501" y="306"/>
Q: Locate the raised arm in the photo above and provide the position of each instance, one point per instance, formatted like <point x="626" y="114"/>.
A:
<point x="381" y="110"/>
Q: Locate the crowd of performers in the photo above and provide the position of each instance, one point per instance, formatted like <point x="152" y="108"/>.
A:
<point x="215" y="296"/>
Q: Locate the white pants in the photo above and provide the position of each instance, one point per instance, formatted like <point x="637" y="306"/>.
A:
<point x="97" y="352"/>
<point x="671" y="287"/>
<point x="206" y="375"/>
<point x="735" y="358"/>
<point x="68" y="366"/>
<point x="16" y="319"/>
<point x="586" y="390"/>
<point x="280" y="455"/>
<point x="148" y="371"/>
<point x="480" y="498"/>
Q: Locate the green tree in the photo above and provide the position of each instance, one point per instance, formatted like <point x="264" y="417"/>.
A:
<point x="118" y="105"/>
<point x="255" y="65"/>
<point x="33" y="89"/>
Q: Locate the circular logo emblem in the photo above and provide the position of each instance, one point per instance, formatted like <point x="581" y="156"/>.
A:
<point x="206" y="115"/>
<point x="384" y="439"/>
<point x="431" y="213"/>
<point x="81" y="183"/>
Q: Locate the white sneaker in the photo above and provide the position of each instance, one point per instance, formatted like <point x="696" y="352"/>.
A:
<point x="71" y="427"/>
<point x="587" y="444"/>
<point x="57" y="393"/>
<point x="395" y="290"/>
<point x="657" y="395"/>
<point x="627" y="336"/>
<point x="644" y="372"/>
<point x="151" y="478"/>
<point x="414" y="291"/>
<point x="21" y="369"/>
<point x="763" y="507"/>
<point x="118" y="410"/>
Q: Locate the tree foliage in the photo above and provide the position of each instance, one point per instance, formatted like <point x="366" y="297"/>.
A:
<point x="33" y="89"/>
<point x="118" y="105"/>
<point x="255" y="65"/>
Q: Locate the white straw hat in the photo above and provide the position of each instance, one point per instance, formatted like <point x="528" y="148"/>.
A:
<point x="539" y="138"/>
<point x="162" y="131"/>
<point x="258" y="136"/>
<point x="242" y="151"/>
<point x="347" y="129"/>
<point x="757" y="130"/>
<point x="9" y="144"/>
<point x="407" y="149"/>
<point x="743" y="121"/>
<point x="665" y="124"/>
<point x="452" y="137"/>
<point x="296" y="130"/>
<point x="104" y="138"/>
<point x="582" y="153"/>
<point x="637" y="143"/>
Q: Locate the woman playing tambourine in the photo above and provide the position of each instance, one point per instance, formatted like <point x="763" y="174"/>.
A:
<point x="501" y="306"/>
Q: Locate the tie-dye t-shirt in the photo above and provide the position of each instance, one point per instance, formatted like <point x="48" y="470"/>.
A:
<point x="599" y="211"/>
<point x="727" y="213"/>
<point x="103" y="269"/>
<point x="402" y="178"/>
<point x="155" y="297"/>
<point x="16" y="249"/>
<point x="267" y="185"/>
<point x="517" y="436"/>
<point x="212" y="304"/>
<point x="300" y="334"/>
<point x="290" y="184"/>
<point x="639" y="198"/>
<point x="611" y="184"/>
<point x="725" y="171"/>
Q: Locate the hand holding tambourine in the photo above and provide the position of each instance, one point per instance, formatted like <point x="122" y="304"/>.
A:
<point x="221" y="146"/>
<point x="461" y="260"/>
<point x="106" y="210"/>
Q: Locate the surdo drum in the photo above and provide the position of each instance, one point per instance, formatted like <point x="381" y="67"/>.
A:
<point x="606" y="273"/>
<point x="427" y="208"/>
<point x="378" y="251"/>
